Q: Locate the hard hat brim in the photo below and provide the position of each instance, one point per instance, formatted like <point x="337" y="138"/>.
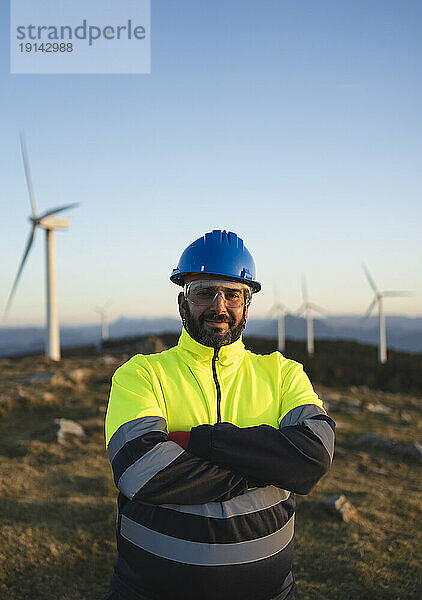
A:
<point x="179" y="278"/>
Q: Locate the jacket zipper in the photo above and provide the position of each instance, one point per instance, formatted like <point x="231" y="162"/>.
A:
<point x="217" y="384"/>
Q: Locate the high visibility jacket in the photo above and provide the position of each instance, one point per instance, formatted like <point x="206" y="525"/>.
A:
<point x="215" y="520"/>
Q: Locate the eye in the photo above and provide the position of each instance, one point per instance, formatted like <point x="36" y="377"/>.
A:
<point x="233" y="294"/>
<point x="204" y="293"/>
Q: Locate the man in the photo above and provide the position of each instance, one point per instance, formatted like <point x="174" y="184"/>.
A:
<point x="208" y="443"/>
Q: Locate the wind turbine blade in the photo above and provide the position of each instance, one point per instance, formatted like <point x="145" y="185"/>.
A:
<point x="369" y="278"/>
<point x="28" y="176"/>
<point x="15" y="283"/>
<point x="102" y="309"/>
<point x="304" y="290"/>
<point x="54" y="211"/>
<point x="370" y="309"/>
<point x="299" y="311"/>
<point x="398" y="294"/>
<point x="317" y="308"/>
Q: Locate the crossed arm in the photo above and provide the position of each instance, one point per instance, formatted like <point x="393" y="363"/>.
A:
<point x="220" y="461"/>
<point x="293" y="457"/>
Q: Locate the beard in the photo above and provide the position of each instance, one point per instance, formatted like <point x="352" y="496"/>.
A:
<point x="195" y="328"/>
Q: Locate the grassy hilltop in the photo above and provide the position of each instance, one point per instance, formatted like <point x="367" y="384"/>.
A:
<point x="57" y="508"/>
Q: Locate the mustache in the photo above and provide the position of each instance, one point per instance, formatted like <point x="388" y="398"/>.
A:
<point x="216" y="318"/>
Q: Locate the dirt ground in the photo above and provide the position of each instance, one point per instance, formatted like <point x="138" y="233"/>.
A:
<point x="57" y="508"/>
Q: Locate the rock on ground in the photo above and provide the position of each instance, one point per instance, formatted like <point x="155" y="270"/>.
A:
<point x="51" y="378"/>
<point x="78" y="375"/>
<point x="68" y="428"/>
<point x="378" y="408"/>
<point x="374" y="441"/>
<point x="342" y="507"/>
<point x="109" y="360"/>
<point x="411" y="449"/>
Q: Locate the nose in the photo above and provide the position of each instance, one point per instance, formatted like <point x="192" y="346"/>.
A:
<point x="219" y="302"/>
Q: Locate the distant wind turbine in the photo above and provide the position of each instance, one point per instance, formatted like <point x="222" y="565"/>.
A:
<point x="379" y="299"/>
<point x="307" y="308"/>
<point x="48" y="222"/>
<point x="280" y="311"/>
<point x="103" y="312"/>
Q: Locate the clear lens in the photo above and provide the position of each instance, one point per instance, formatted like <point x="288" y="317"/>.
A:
<point x="203" y="293"/>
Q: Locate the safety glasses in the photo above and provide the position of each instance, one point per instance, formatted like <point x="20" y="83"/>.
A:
<point x="204" y="292"/>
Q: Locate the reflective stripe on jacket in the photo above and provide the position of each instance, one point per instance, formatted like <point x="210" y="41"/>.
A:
<point x="218" y="517"/>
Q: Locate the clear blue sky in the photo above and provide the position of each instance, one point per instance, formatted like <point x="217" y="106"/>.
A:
<point x="296" y="124"/>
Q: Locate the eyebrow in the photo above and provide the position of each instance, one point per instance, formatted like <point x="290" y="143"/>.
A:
<point x="217" y="286"/>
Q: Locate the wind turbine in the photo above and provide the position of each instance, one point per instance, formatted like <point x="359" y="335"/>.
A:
<point x="379" y="299"/>
<point x="307" y="308"/>
<point x="49" y="223"/>
<point x="280" y="311"/>
<point x="103" y="312"/>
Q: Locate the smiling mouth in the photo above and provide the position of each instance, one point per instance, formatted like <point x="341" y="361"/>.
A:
<point x="216" y="323"/>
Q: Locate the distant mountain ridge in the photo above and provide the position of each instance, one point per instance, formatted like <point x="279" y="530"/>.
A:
<point x="403" y="333"/>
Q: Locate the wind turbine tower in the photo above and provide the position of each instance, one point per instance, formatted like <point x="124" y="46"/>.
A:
<point x="280" y="311"/>
<point x="307" y="308"/>
<point x="49" y="223"/>
<point x="103" y="312"/>
<point x="379" y="299"/>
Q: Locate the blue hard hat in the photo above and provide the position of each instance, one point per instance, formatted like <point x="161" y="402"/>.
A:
<point x="217" y="253"/>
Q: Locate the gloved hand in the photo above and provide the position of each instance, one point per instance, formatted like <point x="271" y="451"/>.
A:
<point x="180" y="437"/>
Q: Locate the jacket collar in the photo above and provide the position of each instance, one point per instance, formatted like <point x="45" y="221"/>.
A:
<point x="191" y="350"/>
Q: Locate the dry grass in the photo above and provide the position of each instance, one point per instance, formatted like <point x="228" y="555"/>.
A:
<point x="57" y="506"/>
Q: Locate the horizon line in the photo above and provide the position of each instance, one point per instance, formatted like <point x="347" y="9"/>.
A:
<point x="175" y="317"/>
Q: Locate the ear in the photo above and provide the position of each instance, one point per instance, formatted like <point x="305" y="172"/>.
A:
<point x="182" y="304"/>
<point x="246" y="311"/>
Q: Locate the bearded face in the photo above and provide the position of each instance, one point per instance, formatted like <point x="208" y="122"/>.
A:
<point x="214" y="328"/>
